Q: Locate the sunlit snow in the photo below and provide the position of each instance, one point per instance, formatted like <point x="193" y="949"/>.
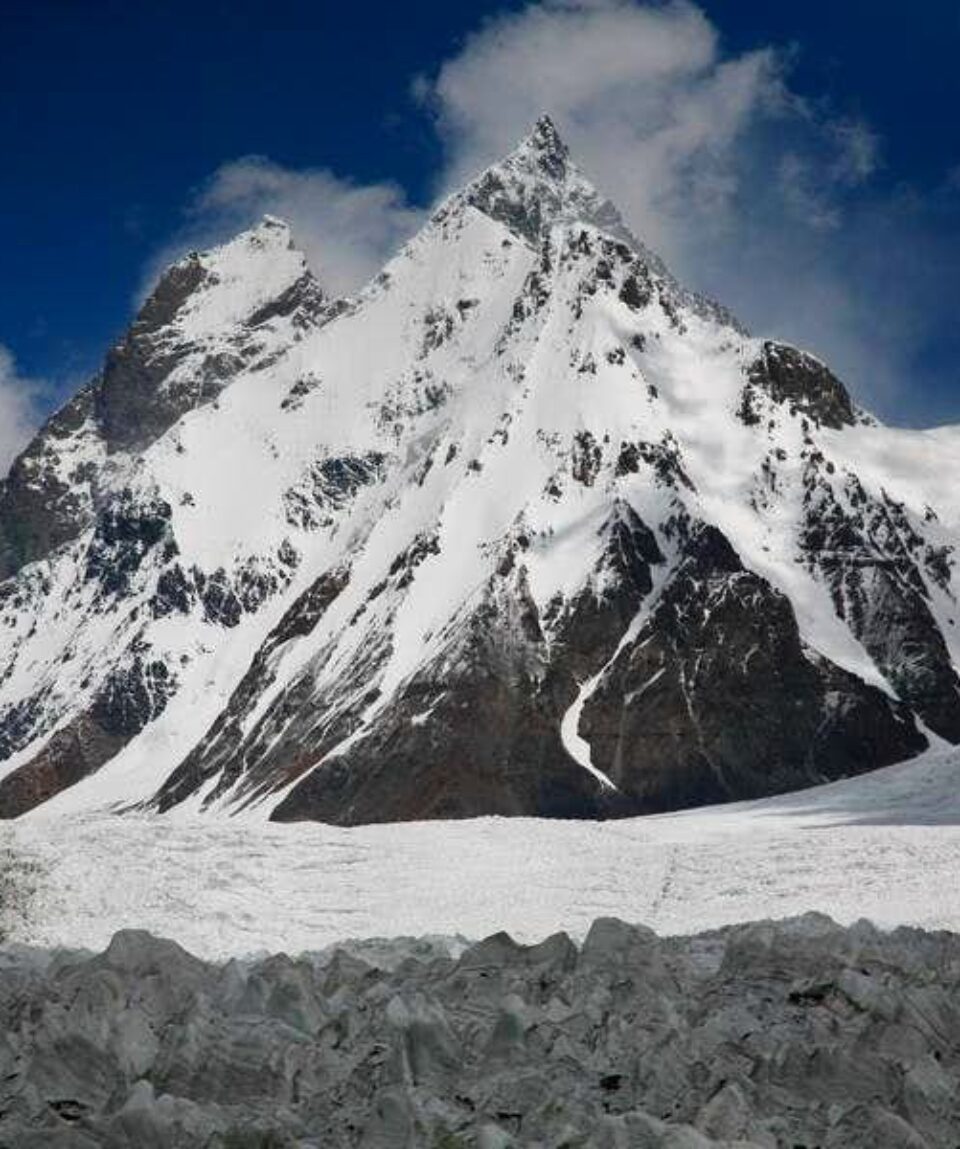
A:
<point x="885" y="846"/>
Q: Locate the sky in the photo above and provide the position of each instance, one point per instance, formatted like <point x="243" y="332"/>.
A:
<point x="799" y="160"/>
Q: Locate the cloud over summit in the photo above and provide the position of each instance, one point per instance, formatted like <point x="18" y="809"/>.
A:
<point x="18" y="414"/>
<point x="750" y="191"/>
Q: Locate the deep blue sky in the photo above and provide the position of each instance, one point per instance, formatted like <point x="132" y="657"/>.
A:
<point x="111" y="113"/>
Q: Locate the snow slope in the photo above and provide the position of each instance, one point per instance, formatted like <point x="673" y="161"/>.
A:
<point x="885" y="846"/>
<point x="525" y="528"/>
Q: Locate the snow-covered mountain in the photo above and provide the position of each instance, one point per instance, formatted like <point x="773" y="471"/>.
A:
<point x="524" y="528"/>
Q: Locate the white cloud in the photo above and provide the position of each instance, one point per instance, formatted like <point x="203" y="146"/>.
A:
<point x="641" y="92"/>
<point x="672" y="128"/>
<point x="345" y="229"/>
<point x="799" y="185"/>
<point x="858" y="151"/>
<point x="18" y="411"/>
<point x="749" y="190"/>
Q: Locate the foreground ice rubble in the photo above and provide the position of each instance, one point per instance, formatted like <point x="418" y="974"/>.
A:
<point x="764" y="1035"/>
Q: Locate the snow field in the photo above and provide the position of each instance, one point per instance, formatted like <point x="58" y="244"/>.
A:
<point x="885" y="846"/>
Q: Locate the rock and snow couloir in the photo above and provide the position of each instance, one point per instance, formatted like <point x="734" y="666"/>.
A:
<point x="524" y="528"/>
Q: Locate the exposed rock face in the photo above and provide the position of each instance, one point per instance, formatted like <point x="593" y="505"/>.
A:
<point x="802" y="383"/>
<point x="179" y="353"/>
<point x="528" y="207"/>
<point x="130" y="697"/>
<point x="225" y="745"/>
<point x="717" y="698"/>
<point x="142" y="394"/>
<point x="478" y="730"/>
<point x="525" y="528"/>
<point x="70" y="754"/>
<point x="44" y="504"/>
<point x="763" y="1035"/>
<point x="880" y="572"/>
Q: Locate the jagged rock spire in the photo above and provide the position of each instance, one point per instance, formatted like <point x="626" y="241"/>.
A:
<point x="552" y="154"/>
<point x="537" y="185"/>
<point x="546" y="136"/>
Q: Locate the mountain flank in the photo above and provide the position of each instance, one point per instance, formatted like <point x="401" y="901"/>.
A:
<point x="524" y="528"/>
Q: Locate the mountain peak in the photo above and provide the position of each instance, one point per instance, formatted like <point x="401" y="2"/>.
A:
<point x="549" y="151"/>
<point x="208" y="291"/>
<point x="545" y="134"/>
<point x="469" y="543"/>
<point x="267" y="240"/>
<point x="537" y="185"/>
<point x="270" y="234"/>
<point x="273" y="223"/>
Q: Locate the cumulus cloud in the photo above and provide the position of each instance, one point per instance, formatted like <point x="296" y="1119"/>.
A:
<point x="18" y="410"/>
<point x="345" y="229"/>
<point x="643" y="93"/>
<point x="684" y="137"/>
<point x="648" y="103"/>
<point x="751" y="192"/>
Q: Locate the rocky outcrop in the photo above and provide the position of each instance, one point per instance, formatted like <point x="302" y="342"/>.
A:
<point x="880" y="572"/>
<point x="477" y="730"/>
<point x="717" y="698"/>
<point x="800" y="382"/>
<point x="46" y="499"/>
<point x="769" y="1034"/>
<point x="141" y="394"/>
<point x="528" y="207"/>
<point x="225" y="747"/>
<point x="131" y="696"/>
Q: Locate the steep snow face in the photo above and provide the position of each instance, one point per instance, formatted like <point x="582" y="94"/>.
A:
<point x="244" y="281"/>
<point x="211" y="317"/>
<point x="525" y="528"/>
